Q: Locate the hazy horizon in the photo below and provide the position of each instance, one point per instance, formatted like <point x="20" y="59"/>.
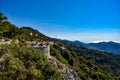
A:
<point x="83" y="20"/>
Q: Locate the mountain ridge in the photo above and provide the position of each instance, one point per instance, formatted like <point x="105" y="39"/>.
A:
<point x="110" y="46"/>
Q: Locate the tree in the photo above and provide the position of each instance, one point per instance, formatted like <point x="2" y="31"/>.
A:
<point x="2" y="17"/>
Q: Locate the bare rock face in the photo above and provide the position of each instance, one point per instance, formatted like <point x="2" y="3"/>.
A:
<point x="68" y="74"/>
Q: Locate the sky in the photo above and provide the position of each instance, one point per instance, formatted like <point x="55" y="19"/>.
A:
<point x="84" y="20"/>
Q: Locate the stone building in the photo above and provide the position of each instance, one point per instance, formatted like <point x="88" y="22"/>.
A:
<point x="43" y="46"/>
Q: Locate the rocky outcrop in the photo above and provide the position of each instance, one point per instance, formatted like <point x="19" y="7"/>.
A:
<point x="68" y="74"/>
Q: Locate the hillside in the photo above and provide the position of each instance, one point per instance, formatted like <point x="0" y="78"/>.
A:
<point x="106" y="61"/>
<point x="79" y="62"/>
<point x="18" y="62"/>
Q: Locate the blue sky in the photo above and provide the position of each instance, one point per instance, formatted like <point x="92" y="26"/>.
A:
<point x="84" y="20"/>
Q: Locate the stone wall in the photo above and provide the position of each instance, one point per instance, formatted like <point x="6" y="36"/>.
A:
<point x="45" y="50"/>
<point x="43" y="46"/>
<point x="5" y="42"/>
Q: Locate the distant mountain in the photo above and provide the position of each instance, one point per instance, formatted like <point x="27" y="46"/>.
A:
<point x="76" y="42"/>
<point x="110" y="46"/>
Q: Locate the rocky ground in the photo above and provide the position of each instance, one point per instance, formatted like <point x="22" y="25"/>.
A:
<point x="68" y="74"/>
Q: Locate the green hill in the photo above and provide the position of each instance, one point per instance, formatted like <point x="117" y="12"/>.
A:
<point x="33" y="65"/>
<point x="106" y="61"/>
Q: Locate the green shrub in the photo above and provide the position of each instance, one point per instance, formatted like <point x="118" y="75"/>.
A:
<point x="25" y="63"/>
<point x="56" y="54"/>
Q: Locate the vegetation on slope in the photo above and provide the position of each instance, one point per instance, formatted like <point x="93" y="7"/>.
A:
<point x="85" y="69"/>
<point x="18" y="62"/>
<point x="108" y="62"/>
<point x="89" y="64"/>
<point x="8" y="30"/>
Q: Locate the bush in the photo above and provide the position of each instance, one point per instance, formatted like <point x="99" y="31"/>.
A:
<point x="25" y="63"/>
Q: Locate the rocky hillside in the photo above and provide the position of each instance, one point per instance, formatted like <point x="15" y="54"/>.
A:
<point x="67" y="73"/>
<point x="68" y="62"/>
<point x="19" y="62"/>
<point x="24" y="62"/>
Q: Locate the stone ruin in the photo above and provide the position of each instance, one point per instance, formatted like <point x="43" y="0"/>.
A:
<point x="43" y="46"/>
